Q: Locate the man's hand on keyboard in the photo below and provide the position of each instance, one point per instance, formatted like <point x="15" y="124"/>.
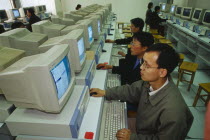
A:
<point x="109" y="41"/>
<point x="123" y="134"/>
<point x="104" y="66"/>
<point x="121" y="53"/>
<point x="100" y="93"/>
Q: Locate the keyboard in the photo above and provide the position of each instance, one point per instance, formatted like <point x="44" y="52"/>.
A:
<point x="113" y="80"/>
<point x="114" y="117"/>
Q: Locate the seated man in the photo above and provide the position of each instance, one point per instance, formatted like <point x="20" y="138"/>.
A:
<point x="155" y="21"/>
<point x="137" y="25"/>
<point x="32" y="18"/>
<point x="129" y="71"/>
<point x="162" y="112"/>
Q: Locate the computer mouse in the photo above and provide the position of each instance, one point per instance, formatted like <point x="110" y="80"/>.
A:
<point x="100" y="67"/>
<point x="93" y="93"/>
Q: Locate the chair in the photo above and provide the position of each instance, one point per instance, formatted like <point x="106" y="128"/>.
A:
<point x="181" y="59"/>
<point x="166" y="41"/>
<point x="128" y="35"/>
<point x="188" y="68"/>
<point x="121" y="23"/>
<point x="157" y="38"/>
<point x="206" y="88"/>
<point x="153" y="31"/>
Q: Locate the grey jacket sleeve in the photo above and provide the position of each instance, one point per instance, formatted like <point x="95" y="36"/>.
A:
<point x="130" y="93"/>
<point x="172" y="126"/>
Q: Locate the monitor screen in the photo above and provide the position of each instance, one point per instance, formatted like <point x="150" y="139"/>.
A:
<point x="16" y="13"/>
<point x="90" y="33"/>
<point x="179" y="10"/>
<point x="44" y="8"/>
<point x="81" y="48"/>
<point x="3" y="14"/>
<point x="163" y="7"/>
<point x="40" y="8"/>
<point x="172" y="8"/>
<point x="186" y="12"/>
<point x="99" y="26"/>
<point x="61" y="74"/>
<point x="207" y="17"/>
<point x="197" y="14"/>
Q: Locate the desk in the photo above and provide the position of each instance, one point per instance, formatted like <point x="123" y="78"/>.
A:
<point x="91" y="121"/>
<point x="186" y="41"/>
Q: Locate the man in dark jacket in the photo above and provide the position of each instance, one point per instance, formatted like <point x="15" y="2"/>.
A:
<point x="162" y="112"/>
<point x="32" y="18"/>
<point x="155" y="21"/>
<point x="129" y="71"/>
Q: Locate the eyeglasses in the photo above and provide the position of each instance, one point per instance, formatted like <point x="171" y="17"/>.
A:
<point x="145" y="66"/>
<point x="135" y="44"/>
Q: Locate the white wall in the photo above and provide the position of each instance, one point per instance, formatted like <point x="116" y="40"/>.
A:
<point x="125" y="9"/>
<point x="205" y="4"/>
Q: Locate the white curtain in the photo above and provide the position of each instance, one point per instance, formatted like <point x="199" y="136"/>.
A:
<point x="49" y="4"/>
<point x="5" y="4"/>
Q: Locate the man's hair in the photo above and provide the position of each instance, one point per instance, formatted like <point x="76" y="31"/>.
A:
<point x="168" y="58"/>
<point x="17" y="25"/>
<point x="146" y="39"/>
<point x="150" y="5"/>
<point x="78" y="6"/>
<point x="157" y="8"/>
<point x="138" y="22"/>
<point x="31" y="10"/>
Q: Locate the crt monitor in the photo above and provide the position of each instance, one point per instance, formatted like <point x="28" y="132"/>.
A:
<point x="198" y="15"/>
<point x="90" y="33"/>
<point x="173" y="9"/>
<point x="206" y="18"/>
<point x="3" y="15"/>
<point x="163" y="7"/>
<point x="45" y="81"/>
<point x="75" y="40"/>
<point x="44" y="8"/>
<point x="14" y="13"/>
<point x="187" y="13"/>
<point x="178" y="11"/>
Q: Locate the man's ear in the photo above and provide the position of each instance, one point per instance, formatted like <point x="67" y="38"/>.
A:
<point x="163" y="72"/>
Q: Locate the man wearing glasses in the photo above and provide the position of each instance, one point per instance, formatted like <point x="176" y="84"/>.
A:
<point x="129" y="71"/>
<point x="162" y="112"/>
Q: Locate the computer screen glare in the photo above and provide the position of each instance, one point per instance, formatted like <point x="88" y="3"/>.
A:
<point x="90" y="33"/>
<point x="163" y="7"/>
<point x="197" y="14"/>
<point x="61" y="74"/>
<point x="186" y="12"/>
<point x="172" y="8"/>
<point x="207" y="17"/>
<point x="16" y="13"/>
<point x="81" y="48"/>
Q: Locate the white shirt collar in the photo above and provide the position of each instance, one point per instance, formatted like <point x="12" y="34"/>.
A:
<point x="153" y="92"/>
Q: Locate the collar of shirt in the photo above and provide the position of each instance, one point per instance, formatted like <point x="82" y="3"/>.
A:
<point x="153" y="92"/>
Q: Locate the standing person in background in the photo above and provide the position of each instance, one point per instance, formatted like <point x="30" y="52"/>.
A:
<point x="149" y="13"/>
<point x="155" y="21"/>
<point x="32" y="18"/>
<point x="78" y="7"/>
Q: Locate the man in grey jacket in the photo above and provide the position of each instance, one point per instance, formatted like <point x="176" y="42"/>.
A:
<point x="162" y="113"/>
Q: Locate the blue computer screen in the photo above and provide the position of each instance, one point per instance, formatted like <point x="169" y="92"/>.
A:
<point x="186" y="12"/>
<point x="61" y="74"/>
<point x="16" y="13"/>
<point x="172" y="8"/>
<point x="197" y="14"/>
<point x="207" y="17"/>
<point x="99" y="26"/>
<point x="81" y="48"/>
<point x="90" y="33"/>
<point x="163" y="7"/>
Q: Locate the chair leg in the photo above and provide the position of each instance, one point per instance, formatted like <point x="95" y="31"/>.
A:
<point x="179" y="77"/>
<point x="197" y="96"/>
<point x="191" y="81"/>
